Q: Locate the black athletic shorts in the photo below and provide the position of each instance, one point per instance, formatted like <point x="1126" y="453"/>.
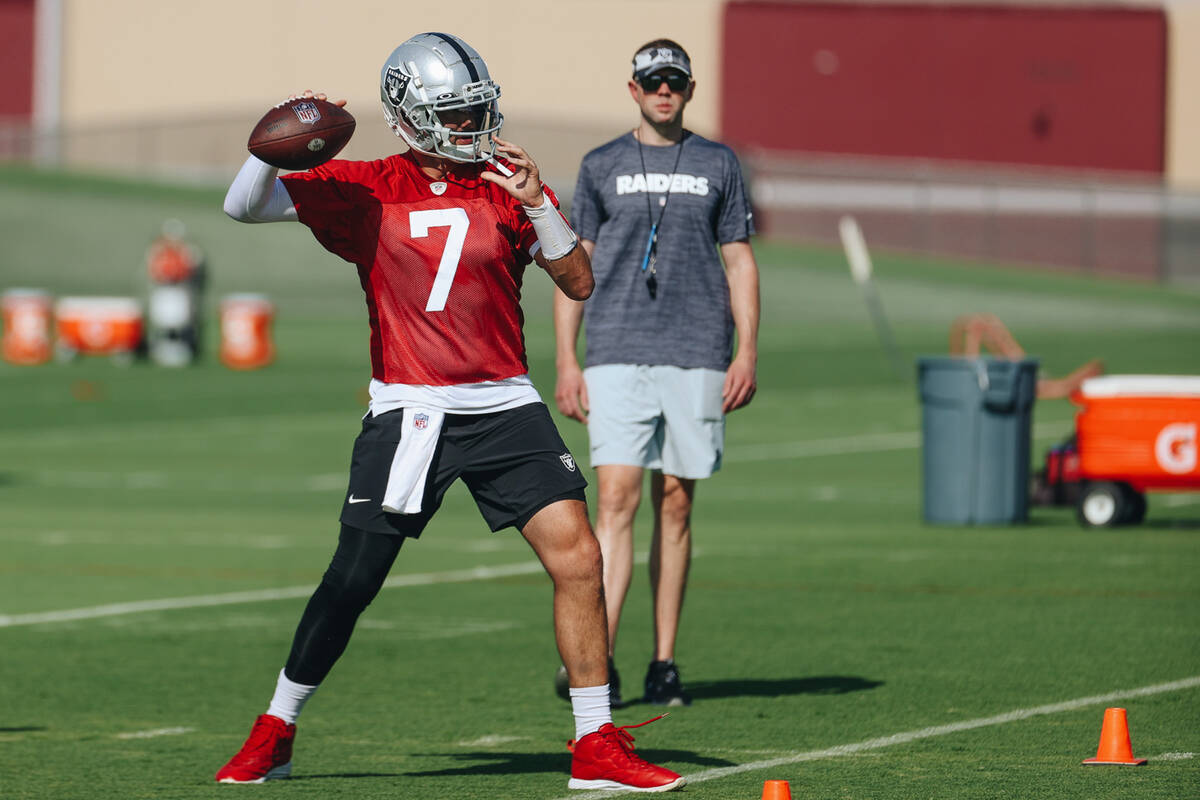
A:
<point x="514" y="463"/>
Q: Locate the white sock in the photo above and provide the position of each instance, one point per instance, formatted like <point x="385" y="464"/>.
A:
<point x="289" y="699"/>
<point x="592" y="709"/>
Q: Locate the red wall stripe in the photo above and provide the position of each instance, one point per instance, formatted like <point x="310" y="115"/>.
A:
<point x="16" y="58"/>
<point x="1064" y="87"/>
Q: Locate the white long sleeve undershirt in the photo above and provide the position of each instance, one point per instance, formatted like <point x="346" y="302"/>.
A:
<point x="257" y="195"/>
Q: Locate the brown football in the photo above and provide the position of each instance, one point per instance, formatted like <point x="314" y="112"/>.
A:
<point x="301" y="133"/>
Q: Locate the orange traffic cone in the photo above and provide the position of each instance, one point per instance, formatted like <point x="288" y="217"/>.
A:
<point x="776" y="790"/>
<point x="1114" y="741"/>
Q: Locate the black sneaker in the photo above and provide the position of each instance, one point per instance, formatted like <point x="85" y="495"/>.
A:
<point x="663" y="687"/>
<point x="562" y="686"/>
<point x="614" y="686"/>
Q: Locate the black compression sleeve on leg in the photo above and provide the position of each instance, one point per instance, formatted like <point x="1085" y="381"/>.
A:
<point x="355" y="575"/>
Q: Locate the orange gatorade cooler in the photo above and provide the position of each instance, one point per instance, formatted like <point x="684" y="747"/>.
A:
<point x="99" y="326"/>
<point x="1135" y="433"/>
<point x="26" y="315"/>
<point x="246" y="341"/>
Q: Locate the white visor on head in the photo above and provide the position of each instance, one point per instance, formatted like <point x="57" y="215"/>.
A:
<point x="651" y="59"/>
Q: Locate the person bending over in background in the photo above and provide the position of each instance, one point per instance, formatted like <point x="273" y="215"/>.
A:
<point x="970" y="333"/>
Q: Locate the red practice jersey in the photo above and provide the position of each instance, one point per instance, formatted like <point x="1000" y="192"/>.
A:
<point x="440" y="262"/>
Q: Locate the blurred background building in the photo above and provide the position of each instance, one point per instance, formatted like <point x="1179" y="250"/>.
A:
<point x="1057" y="133"/>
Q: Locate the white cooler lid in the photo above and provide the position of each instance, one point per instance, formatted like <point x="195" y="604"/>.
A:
<point x="99" y="306"/>
<point x="1142" y="386"/>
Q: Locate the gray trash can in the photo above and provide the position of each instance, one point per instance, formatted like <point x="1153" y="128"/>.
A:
<point x="976" y="419"/>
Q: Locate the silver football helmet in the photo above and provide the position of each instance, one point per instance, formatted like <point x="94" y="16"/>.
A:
<point x="434" y="79"/>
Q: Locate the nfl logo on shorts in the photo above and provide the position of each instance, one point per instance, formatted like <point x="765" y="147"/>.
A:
<point x="420" y="421"/>
<point x="568" y="462"/>
<point x="307" y="112"/>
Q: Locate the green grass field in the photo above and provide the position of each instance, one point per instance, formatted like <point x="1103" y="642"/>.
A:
<point x="830" y="637"/>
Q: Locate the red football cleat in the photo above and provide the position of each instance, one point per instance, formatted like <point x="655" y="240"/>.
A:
<point x="266" y="755"/>
<point x="605" y="760"/>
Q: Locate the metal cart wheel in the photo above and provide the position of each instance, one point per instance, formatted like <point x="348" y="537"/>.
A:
<point x="1102" y="504"/>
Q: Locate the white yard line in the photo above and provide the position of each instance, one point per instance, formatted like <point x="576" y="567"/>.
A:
<point x="836" y="446"/>
<point x="861" y="443"/>
<point x="259" y="596"/>
<point x="143" y="480"/>
<point x="283" y="593"/>
<point x="154" y="733"/>
<point x="118" y="433"/>
<point x="923" y="733"/>
<point x="1180" y="500"/>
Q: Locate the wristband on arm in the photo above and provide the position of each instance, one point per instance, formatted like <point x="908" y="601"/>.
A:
<point x="554" y="234"/>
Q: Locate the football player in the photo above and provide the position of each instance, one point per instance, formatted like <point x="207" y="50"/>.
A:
<point x="441" y="235"/>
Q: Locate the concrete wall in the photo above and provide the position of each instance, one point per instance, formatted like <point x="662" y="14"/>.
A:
<point x="562" y="65"/>
<point x="1183" y="95"/>
<point x="566" y="60"/>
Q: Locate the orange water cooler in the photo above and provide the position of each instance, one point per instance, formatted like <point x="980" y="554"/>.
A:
<point x="27" y="315"/>
<point x="1135" y="433"/>
<point x="246" y="336"/>
<point x="99" y="326"/>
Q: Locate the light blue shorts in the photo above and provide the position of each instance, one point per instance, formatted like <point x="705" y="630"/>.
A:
<point x="661" y="418"/>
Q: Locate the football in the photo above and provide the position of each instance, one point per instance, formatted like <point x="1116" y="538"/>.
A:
<point x="301" y="133"/>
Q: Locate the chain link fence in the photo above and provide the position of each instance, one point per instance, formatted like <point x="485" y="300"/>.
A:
<point x="1101" y="224"/>
<point x="211" y="149"/>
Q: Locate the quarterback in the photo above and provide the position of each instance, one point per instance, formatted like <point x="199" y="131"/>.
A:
<point x="441" y="235"/>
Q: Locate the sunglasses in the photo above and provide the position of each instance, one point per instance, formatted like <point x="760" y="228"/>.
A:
<point x="676" y="81"/>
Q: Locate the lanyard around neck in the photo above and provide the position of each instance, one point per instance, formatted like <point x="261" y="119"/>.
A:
<point x="651" y="255"/>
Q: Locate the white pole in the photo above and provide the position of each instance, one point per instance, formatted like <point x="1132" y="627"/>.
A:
<point x="859" y="259"/>
<point x="47" y="80"/>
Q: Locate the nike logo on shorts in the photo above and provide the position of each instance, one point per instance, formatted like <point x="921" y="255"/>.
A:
<point x="354" y="499"/>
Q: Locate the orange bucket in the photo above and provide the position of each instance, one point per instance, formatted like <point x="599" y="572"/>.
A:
<point x="246" y="341"/>
<point x="26" y="315"/>
<point x="98" y="326"/>
<point x="1140" y="429"/>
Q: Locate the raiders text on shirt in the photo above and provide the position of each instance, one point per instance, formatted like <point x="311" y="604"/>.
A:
<point x="661" y="182"/>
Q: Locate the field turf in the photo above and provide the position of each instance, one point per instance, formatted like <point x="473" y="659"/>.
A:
<point x="830" y="638"/>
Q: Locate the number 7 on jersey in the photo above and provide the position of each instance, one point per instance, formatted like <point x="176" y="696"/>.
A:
<point x="456" y="220"/>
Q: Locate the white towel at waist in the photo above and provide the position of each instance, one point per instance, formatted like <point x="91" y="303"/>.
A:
<point x="410" y="465"/>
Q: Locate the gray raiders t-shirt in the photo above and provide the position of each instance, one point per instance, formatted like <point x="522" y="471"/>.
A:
<point x="688" y="323"/>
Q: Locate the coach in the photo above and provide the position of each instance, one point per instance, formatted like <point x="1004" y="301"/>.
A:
<point x="664" y="216"/>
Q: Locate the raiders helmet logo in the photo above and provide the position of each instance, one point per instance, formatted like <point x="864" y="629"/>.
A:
<point x="395" y="83"/>
<point x="567" y="461"/>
